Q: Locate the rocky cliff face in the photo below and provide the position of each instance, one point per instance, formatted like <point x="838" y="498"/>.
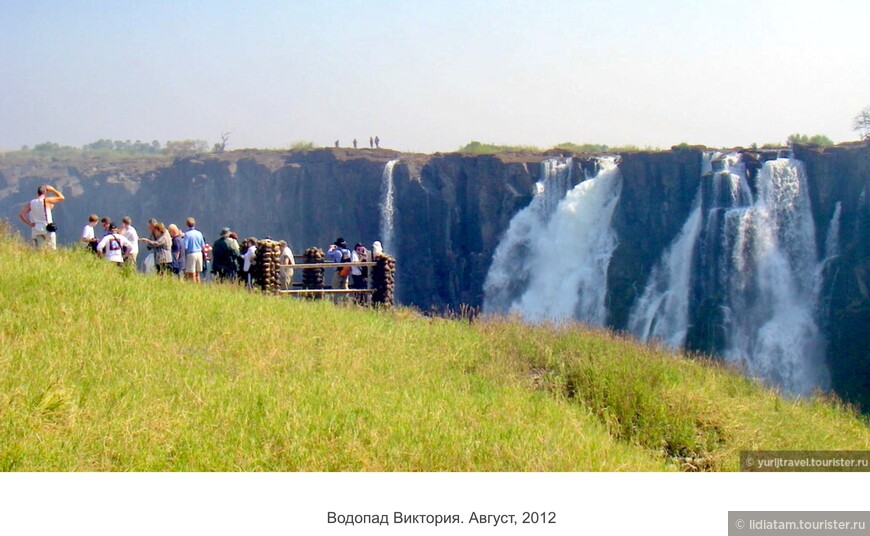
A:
<point x="841" y="175"/>
<point x="451" y="212"/>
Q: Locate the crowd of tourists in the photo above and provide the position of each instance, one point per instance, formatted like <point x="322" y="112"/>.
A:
<point x="173" y="251"/>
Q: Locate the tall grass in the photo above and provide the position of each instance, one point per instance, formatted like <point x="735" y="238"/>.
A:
<point x="102" y="369"/>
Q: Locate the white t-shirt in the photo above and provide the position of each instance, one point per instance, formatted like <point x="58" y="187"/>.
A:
<point x="111" y="246"/>
<point x="131" y="235"/>
<point x="249" y="258"/>
<point x="287" y="256"/>
<point x="40" y="213"/>
<point x="354" y="257"/>
<point x="88" y="233"/>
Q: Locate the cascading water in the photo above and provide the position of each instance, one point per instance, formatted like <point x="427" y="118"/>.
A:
<point x="750" y="269"/>
<point x="388" y="208"/>
<point x="772" y="328"/>
<point x="662" y="312"/>
<point x="509" y="274"/>
<point x="560" y="259"/>
<point x="740" y="279"/>
<point x="832" y="239"/>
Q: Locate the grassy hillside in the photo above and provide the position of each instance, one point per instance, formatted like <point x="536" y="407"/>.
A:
<point x="105" y="370"/>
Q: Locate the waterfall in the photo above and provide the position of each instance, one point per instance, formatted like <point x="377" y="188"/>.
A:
<point x="745" y="266"/>
<point x="561" y="258"/>
<point x="388" y="208"/>
<point x="832" y="239"/>
<point x="508" y="276"/>
<point x="772" y="330"/>
<point x="662" y="312"/>
<point x="740" y="279"/>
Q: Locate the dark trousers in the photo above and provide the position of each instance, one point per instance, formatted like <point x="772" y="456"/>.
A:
<point x="225" y="274"/>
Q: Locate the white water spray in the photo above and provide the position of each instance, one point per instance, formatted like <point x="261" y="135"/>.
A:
<point x="566" y="256"/>
<point x="388" y="209"/>
<point x="832" y="239"/>
<point x="509" y="274"/>
<point x="772" y="330"/>
<point x="662" y="312"/>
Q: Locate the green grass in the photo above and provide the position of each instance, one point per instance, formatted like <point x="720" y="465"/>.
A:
<point x="106" y="370"/>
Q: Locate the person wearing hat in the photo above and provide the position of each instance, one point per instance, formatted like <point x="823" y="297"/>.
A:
<point x="226" y="257"/>
<point x="114" y="246"/>
<point x="339" y="252"/>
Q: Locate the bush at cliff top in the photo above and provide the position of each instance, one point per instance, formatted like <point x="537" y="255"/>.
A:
<point x="475" y="147"/>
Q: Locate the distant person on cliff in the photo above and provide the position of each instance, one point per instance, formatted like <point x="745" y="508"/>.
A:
<point x="160" y="246"/>
<point x="339" y="252"/>
<point x="377" y="142"/>
<point x="371" y="142"/>
<point x="286" y="261"/>
<point x="249" y="258"/>
<point x="177" y="249"/>
<point x="354" y="143"/>
<point x="336" y="144"/>
<point x="88" y="238"/>
<point x="130" y="234"/>
<point x="114" y="247"/>
<point x="226" y="257"/>
<point x="36" y="214"/>
<point x="193" y="243"/>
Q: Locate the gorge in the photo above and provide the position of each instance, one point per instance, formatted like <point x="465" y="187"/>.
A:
<point x="761" y="257"/>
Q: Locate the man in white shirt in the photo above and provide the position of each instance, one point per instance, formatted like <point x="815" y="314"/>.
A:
<point x="36" y="214"/>
<point x="88" y="238"/>
<point x="285" y="260"/>
<point x="114" y="246"/>
<point x="130" y="234"/>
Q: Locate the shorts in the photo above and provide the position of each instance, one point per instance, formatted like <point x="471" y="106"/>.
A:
<point x="42" y="238"/>
<point x="193" y="263"/>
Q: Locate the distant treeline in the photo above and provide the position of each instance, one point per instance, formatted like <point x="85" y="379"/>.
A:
<point x="114" y="148"/>
<point x="476" y="147"/>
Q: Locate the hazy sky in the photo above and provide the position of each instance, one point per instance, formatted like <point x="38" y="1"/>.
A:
<point x="430" y="76"/>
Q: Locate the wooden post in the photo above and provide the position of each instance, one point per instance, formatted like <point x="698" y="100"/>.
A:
<point x="312" y="278"/>
<point x="266" y="269"/>
<point x="383" y="280"/>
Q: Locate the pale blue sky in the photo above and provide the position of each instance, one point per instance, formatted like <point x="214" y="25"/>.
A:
<point x="430" y="76"/>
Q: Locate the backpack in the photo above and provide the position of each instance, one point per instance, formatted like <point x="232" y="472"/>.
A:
<point x="345" y="257"/>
